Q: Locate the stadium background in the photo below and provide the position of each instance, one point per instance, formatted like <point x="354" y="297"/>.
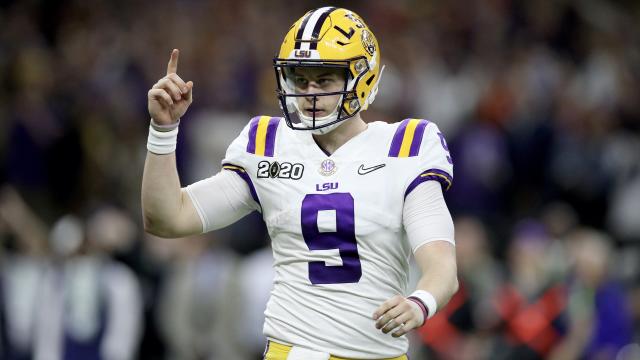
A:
<point x="539" y="101"/>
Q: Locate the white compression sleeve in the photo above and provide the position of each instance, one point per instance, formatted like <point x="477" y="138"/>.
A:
<point x="221" y="200"/>
<point x="426" y="217"/>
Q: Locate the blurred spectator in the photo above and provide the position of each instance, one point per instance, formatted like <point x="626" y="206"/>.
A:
<point x="23" y="268"/>
<point x="459" y="330"/>
<point x="254" y="281"/>
<point x="531" y="303"/>
<point x="91" y="305"/>
<point x="600" y="316"/>
<point x="196" y="309"/>
<point x="481" y="181"/>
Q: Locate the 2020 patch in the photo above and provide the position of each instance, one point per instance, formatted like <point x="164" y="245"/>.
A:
<point x="284" y="170"/>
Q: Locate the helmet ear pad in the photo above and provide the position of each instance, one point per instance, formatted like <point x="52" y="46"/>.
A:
<point x="374" y="90"/>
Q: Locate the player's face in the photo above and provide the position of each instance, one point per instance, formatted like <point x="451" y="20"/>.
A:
<point x="310" y="80"/>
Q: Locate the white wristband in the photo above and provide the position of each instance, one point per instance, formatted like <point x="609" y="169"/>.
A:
<point x="165" y="128"/>
<point x="428" y="300"/>
<point x="162" y="142"/>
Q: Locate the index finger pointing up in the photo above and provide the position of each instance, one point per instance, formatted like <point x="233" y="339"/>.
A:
<point x="172" y="67"/>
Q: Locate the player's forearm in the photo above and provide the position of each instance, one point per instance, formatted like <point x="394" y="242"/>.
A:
<point x="441" y="282"/>
<point x="436" y="286"/>
<point x="437" y="260"/>
<point x="430" y="229"/>
<point x="162" y="198"/>
<point x="166" y="211"/>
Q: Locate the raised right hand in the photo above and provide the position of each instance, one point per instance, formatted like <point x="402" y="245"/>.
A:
<point x="170" y="97"/>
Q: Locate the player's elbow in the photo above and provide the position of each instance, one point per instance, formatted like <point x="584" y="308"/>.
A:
<point x="455" y="285"/>
<point x="160" y="231"/>
<point x="452" y="284"/>
<point x="155" y="226"/>
<point x="151" y="226"/>
<point x="175" y="224"/>
<point x="449" y="289"/>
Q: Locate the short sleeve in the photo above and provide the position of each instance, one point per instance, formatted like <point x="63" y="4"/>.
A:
<point x="434" y="162"/>
<point x="229" y="195"/>
<point x="221" y="200"/>
<point x="425" y="216"/>
<point x="256" y="139"/>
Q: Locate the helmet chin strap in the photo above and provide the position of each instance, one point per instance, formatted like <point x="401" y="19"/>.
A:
<point x="308" y="120"/>
<point x="326" y="129"/>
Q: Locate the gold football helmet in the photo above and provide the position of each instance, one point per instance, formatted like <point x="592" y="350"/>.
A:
<point x="329" y="37"/>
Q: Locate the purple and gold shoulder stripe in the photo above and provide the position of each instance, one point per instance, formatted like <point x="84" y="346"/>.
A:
<point x="407" y="139"/>
<point x="243" y="174"/>
<point x="438" y="175"/>
<point x="262" y="135"/>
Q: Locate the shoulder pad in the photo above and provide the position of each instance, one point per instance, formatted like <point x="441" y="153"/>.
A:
<point x="262" y="135"/>
<point x="406" y="141"/>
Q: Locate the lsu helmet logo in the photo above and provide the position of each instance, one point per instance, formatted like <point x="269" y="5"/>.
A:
<point x="302" y="54"/>
<point x="367" y="42"/>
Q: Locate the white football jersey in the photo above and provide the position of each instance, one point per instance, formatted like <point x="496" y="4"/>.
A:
<point x="335" y="223"/>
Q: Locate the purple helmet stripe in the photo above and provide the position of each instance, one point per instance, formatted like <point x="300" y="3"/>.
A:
<point x="396" y="143"/>
<point x="417" y="138"/>
<point x="316" y="29"/>
<point x="301" y="29"/>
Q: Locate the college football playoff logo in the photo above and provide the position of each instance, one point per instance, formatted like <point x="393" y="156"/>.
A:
<point x="283" y="170"/>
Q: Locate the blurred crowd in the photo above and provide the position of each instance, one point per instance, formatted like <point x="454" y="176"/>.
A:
<point x="539" y="101"/>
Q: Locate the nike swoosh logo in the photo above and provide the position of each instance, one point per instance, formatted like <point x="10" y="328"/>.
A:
<point x="363" y="170"/>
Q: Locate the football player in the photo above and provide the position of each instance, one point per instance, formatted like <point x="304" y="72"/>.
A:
<point x="346" y="203"/>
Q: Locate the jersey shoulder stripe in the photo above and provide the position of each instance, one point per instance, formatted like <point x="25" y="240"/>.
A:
<point x="243" y="174"/>
<point x="262" y="135"/>
<point x="438" y="175"/>
<point x="406" y="141"/>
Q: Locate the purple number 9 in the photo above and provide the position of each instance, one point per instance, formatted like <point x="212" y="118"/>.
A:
<point x="446" y="148"/>
<point x="343" y="239"/>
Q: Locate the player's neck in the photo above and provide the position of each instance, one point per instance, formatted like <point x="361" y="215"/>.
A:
<point x="339" y="136"/>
